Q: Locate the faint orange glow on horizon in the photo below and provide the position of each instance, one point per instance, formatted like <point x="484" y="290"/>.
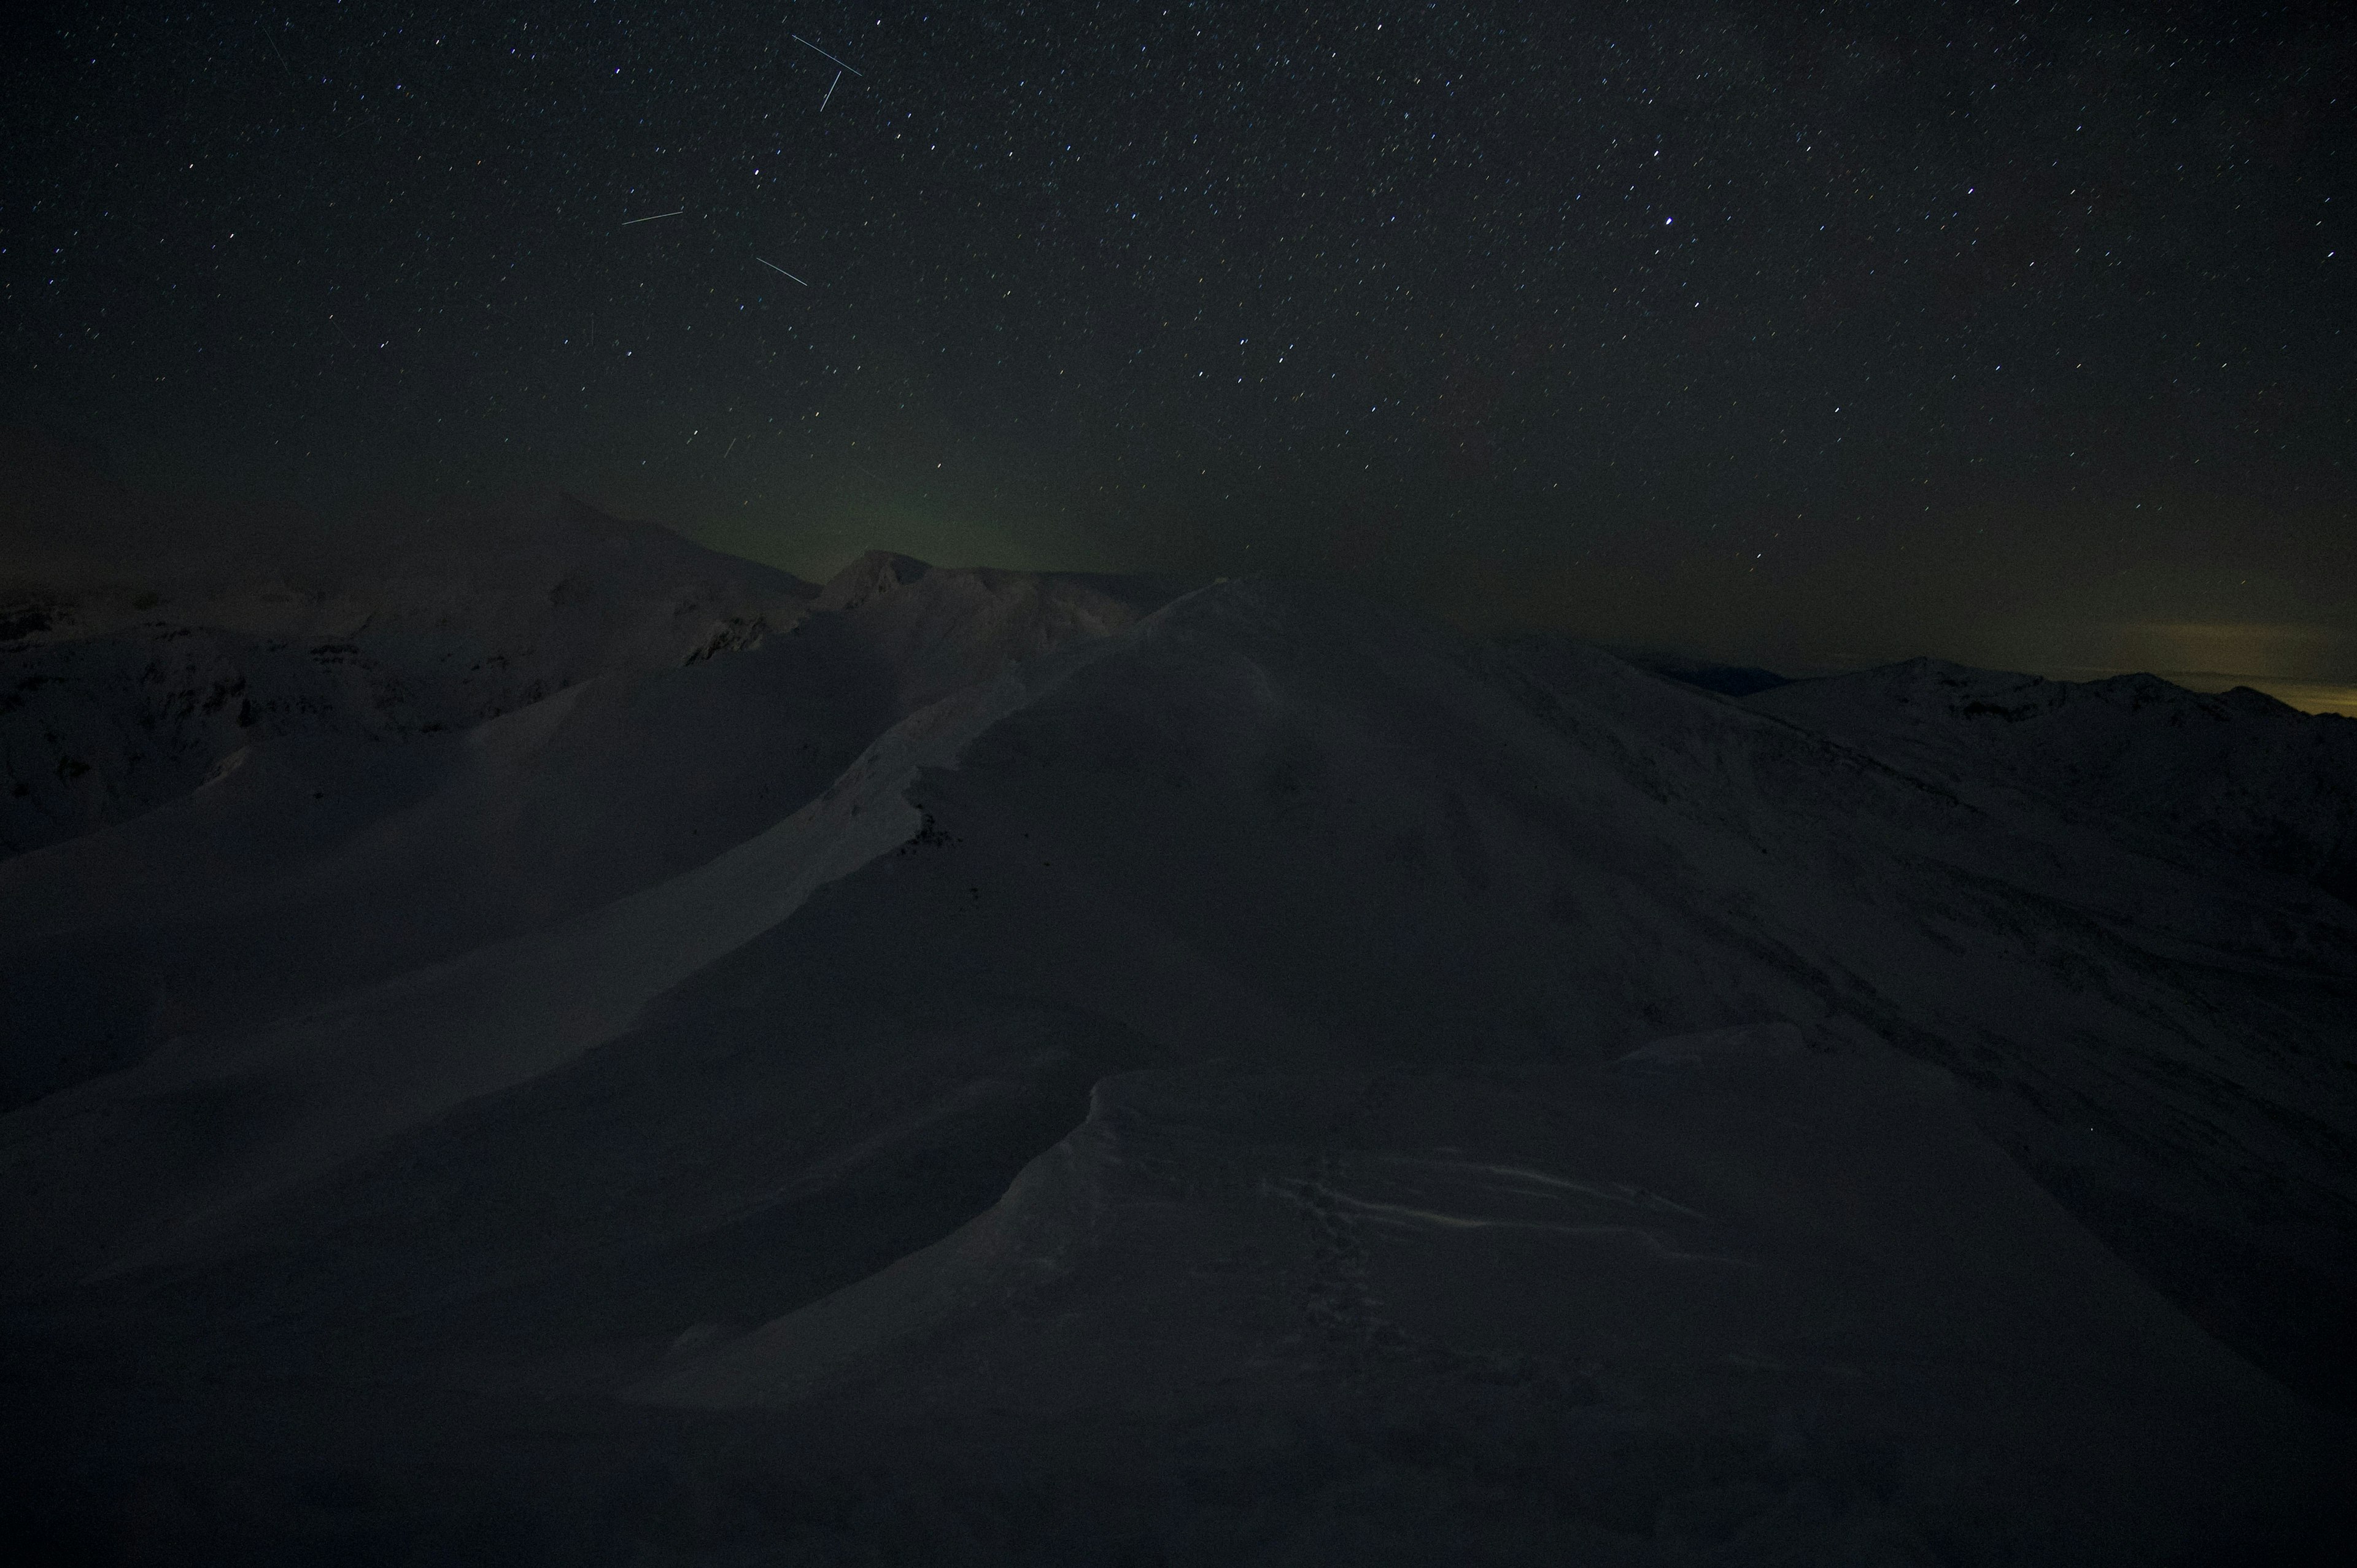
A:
<point x="2307" y="696"/>
<point x="2304" y="666"/>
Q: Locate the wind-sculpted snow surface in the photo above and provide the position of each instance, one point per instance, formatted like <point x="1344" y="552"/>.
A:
<point x="1266" y="1081"/>
<point x="1734" y="1304"/>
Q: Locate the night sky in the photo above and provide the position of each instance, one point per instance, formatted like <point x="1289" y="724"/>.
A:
<point x="2022" y="334"/>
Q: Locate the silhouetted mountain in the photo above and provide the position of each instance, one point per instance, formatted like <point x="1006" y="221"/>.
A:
<point x="1726" y="680"/>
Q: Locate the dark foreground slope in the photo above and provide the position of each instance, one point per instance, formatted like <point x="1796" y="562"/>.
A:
<point x="1276" y="1082"/>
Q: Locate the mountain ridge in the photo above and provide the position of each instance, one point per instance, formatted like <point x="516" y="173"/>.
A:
<point x="1390" y="1025"/>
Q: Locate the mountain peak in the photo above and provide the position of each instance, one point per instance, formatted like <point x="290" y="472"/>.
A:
<point x="874" y="574"/>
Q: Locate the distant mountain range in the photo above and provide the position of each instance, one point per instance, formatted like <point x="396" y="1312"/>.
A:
<point x="531" y="1041"/>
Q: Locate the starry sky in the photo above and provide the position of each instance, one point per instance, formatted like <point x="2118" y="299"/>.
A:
<point x="2017" y="333"/>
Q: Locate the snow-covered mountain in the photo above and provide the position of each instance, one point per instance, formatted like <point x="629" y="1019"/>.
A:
<point x="144" y="643"/>
<point x="1238" y="1076"/>
<point x="2236" y="771"/>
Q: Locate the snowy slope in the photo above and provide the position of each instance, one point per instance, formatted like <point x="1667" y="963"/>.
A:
<point x="311" y="862"/>
<point x="143" y="642"/>
<point x="1178" y="1093"/>
<point x="1668" y="1260"/>
<point x="2236" y="771"/>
